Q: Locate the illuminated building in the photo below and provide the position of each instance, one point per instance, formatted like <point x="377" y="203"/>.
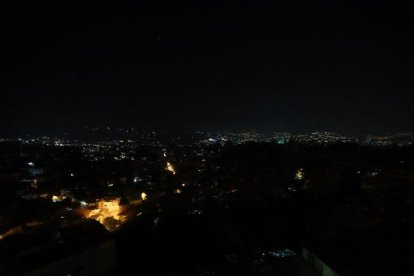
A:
<point x="108" y="213"/>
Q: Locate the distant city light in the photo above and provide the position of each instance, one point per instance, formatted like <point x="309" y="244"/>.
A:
<point x="300" y="175"/>
<point x="11" y="232"/>
<point x="56" y="198"/>
<point x="283" y="253"/>
<point x="170" y="168"/>
<point x="144" y="196"/>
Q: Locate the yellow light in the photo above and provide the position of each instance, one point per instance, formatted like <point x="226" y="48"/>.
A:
<point x="11" y="232"/>
<point x="170" y="168"/>
<point x="108" y="213"/>
<point x="177" y="191"/>
<point x="58" y="198"/>
<point x="144" y="196"/>
<point x="299" y="174"/>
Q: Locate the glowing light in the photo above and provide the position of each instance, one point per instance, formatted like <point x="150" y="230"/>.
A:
<point x="144" y="196"/>
<point x="170" y="168"/>
<point x="108" y="213"/>
<point x="177" y="191"/>
<point x="58" y="198"/>
<point x="33" y="223"/>
<point x="300" y="175"/>
<point x="11" y="232"/>
<point x="31" y="164"/>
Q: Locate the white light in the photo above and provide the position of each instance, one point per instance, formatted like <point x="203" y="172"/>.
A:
<point x="31" y="164"/>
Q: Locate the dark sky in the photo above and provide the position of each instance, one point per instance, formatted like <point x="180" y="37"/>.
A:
<point x="344" y="66"/>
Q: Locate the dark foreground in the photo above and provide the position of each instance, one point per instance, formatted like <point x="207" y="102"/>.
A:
<point x="250" y="209"/>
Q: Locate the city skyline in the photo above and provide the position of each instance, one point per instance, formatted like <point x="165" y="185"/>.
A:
<point x="192" y="137"/>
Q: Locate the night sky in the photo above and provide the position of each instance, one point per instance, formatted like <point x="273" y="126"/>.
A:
<point x="344" y="66"/>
